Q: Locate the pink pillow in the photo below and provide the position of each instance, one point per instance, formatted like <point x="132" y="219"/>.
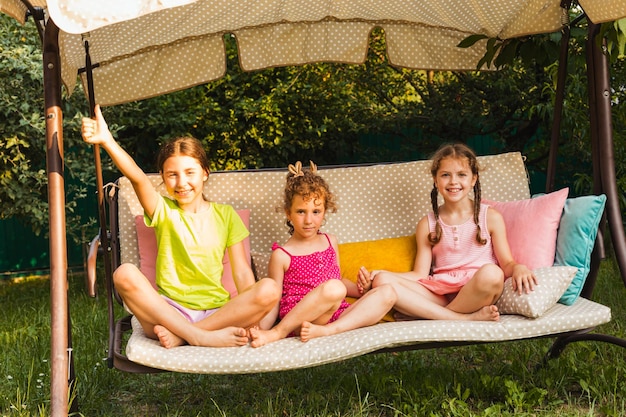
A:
<point x="531" y="227"/>
<point x="146" y="241"/>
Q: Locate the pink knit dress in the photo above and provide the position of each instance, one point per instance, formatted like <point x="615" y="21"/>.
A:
<point x="458" y="255"/>
<point x="305" y="273"/>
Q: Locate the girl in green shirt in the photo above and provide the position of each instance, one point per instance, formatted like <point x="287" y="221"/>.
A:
<point x="191" y="306"/>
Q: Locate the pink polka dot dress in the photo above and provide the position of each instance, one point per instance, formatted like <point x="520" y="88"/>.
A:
<point x="307" y="272"/>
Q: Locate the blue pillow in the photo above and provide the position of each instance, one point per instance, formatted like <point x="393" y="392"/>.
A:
<point x="576" y="238"/>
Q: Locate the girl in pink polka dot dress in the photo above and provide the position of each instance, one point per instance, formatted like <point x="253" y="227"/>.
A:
<point x="306" y="267"/>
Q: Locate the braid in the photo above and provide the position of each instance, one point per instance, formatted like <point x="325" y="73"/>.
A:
<point x="435" y="237"/>
<point x="457" y="150"/>
<point x="477" y="199"/>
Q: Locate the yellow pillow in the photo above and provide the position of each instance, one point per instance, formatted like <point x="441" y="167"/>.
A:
<point x="393" y="254"/>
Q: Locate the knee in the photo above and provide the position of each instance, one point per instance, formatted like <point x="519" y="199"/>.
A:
<point x="491" y="278"/>
<point x="382" y="279"/>
<point x="333" y="289"/>
<point x="267" y="291"/>
<point x="387" y="294"/>
<point x="124" y="277"/>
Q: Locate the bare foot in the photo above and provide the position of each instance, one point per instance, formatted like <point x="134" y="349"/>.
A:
<point x="166" y="338"/>
<point x="487" y="313"/>
<point x="228" y="336"/>
<point x="309" y="331"/>
<point x="263" y="337"/>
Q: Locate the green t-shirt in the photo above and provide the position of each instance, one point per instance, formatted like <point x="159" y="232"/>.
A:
<point x="191" y="247"/>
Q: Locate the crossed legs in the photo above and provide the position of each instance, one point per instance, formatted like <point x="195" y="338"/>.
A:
<point x="318" y="306"/>
<point x="225" y="327"/>
<point x="367" y="310"/>
<point x="475" y="301"/>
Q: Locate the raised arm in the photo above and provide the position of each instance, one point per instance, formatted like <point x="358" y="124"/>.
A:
<point x="96" y="132"/>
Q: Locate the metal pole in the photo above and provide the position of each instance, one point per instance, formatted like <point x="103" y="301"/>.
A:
<point x="59" y="340"/>
<point x="558" y="101"/>
<point x="606" y="147"/>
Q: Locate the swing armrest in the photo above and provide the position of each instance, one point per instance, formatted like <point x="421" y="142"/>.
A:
<point x="90" y="275"/>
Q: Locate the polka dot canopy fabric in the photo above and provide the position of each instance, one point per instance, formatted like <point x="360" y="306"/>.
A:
<point x="141" y="50"/>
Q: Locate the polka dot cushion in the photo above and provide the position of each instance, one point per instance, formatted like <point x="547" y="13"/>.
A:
<point x="552" y="283"/>
<point x="290" y="353"/>
<point x="375" y="202"/>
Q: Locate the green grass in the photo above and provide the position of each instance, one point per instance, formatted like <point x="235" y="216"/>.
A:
<point x="483" y="380"/>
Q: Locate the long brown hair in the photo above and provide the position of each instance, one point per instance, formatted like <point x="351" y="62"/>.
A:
<point x="456" y="151"/>
<point x="185" y="146"/>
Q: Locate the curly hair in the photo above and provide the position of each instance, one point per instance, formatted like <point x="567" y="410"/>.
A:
<point x="309" y="185"/>
<point x="456" y="151"/>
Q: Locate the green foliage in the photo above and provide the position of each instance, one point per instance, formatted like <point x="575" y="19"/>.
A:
<point x="534" y="60"/>
<point x="23" y="180"/>
<point x="273" y="117"/>
<point x="615" y="34"/>
<point x="329" y="113"/>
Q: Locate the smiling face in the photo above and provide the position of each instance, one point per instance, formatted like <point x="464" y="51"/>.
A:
<point x="306" y="215"/>
<point x="454" y="179"/>
<point x="184" y="179"/>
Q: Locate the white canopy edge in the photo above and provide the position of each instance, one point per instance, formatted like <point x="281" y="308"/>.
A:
<point x="80" y="16"/>
<point x="167" y="47"/>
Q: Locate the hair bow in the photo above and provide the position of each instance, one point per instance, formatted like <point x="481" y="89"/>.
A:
<point x="296" y="169"/>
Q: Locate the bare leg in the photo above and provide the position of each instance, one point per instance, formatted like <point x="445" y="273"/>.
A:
<point x="152" y="310"/>
<point x="367" y="310"/>
<point x="415" y="300"/>
<point x="243" y="311"/>
<point x="482" y="290"/>
<point x="246" y="309"/>
<point x="318" y="305"/>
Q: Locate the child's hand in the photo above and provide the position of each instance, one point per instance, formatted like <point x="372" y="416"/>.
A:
<point x="364" y="280"/>
<point x="96" y="131"/>
<point x="523" y="279"/>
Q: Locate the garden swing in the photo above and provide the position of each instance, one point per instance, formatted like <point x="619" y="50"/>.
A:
<point x="135" y="44"/>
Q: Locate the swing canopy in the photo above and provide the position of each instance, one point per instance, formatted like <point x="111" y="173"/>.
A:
<point x="144" y="48"/>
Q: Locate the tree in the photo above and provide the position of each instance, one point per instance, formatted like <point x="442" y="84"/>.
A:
<point x="23" y="180"/>
<point x="539" y="54"/>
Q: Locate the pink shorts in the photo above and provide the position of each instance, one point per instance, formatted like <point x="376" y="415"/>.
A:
<point x="447" y="283"/>
<point x="190" y="314"/>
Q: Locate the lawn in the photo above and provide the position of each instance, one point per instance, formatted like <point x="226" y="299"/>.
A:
<point x="485" y="380"/>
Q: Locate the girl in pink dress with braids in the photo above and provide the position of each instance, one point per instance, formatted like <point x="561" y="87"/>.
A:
<point x="465" y="244"/>
<point x="306" y="267"/>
